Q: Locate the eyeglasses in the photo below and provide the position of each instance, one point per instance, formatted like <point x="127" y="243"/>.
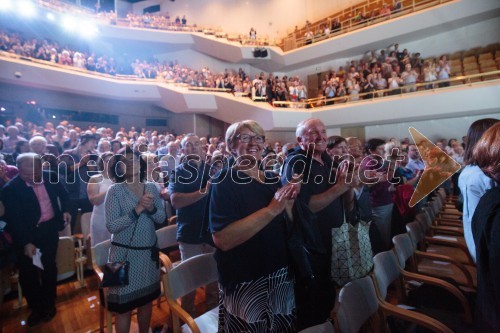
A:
<point x="245" y="138"/>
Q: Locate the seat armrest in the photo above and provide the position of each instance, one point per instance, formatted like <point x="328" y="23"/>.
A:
<point x="444" y="285"/>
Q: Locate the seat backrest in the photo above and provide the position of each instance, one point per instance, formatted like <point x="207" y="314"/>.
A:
<point x="442" y="193"/>
<point x="424" y="219"/>
<point x="416" y="233"/>
<point x="167" y="236"/>
<point x="100" y="253"/>
<point x="191" y="274"/>
<point x="357" y="303"/>
<point x="404" y="248"/>
<point x="65" y="258"/>
<point x="386" y="270"/>
<point x="85" y="223"/>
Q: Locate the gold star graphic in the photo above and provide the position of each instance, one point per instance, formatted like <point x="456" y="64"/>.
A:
<point x="439" y="166"/>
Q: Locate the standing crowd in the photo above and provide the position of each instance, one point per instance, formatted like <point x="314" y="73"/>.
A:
<point x="240" y="197"/>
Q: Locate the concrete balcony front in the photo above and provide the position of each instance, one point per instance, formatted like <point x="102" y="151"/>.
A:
<point x="456" y="101"/>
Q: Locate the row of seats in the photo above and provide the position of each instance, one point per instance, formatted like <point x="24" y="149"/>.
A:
<point x="475" y="61"/>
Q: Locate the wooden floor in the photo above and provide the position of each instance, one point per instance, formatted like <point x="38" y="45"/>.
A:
<point x="77" y="310"/>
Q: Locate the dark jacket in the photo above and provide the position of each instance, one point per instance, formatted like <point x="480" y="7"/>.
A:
<point x="22" y="210"/>
<point x="486" y="232"/>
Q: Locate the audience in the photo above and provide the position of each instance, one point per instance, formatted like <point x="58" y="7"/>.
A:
<point x="373" y="73"/>
<point x="234" y="151"/>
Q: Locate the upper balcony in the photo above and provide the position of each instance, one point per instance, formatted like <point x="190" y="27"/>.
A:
<point x="439" y="17"/>
<point x="434" y="17"/>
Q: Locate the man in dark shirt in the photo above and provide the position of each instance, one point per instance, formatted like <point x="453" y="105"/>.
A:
<point x="188" y="189"/>
<point x="327" y="198"/>
<point x="34" y="219"/>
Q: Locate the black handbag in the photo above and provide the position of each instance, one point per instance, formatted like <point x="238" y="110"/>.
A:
<point x="115" y="274"/>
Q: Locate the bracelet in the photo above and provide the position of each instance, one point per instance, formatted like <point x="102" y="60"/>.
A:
<point x="152" y="212"/>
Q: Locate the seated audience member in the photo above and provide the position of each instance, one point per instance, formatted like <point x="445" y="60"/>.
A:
<point x="486" y="232"/>
<point x="34" y="219"/>
<point x="245" y="235"/>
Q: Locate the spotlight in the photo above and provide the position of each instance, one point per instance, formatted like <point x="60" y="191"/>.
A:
<point x="26" y="9"/>
<point x="5" y="5"/>
<point x="68" y="23"/>
<point x="88" y="30"/>
<point x="51" y="17"/>
<point x="2" y="109"/>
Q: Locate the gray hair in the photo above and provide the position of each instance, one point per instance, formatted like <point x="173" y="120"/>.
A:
<point x="184" y="139"/>
<point x="38" y="138"/>
<point x="26" y="157"/>
<point x="303" y="124"/>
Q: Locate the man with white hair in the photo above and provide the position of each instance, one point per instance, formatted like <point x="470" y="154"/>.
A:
<point x="34" y="219"/>
<point x="331" y="199"/>
<point x="9" y="144"/>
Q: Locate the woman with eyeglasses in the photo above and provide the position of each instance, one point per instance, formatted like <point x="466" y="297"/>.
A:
<point x="133" y="206"/>
<point x="247" y="222"/>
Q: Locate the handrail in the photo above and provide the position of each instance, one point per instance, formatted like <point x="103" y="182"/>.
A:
<point x="323" y="101"/>
<point x="349" y="24"/>
<point x="209" y="89"/>
<point x="317" y="102"/>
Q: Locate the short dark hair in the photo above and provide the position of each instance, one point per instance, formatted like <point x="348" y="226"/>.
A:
<point x="120" y="157"/>
<point x="372" y="144"/>
<point x="334" y="140"/>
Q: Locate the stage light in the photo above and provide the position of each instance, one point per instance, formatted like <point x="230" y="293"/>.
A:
<point x="5" y="5"/>
<point x="88" y="30"/>
<point x="26" y="9"/>
<point x="2" y="109"/>
<point x="68" y="23"/>
<point x="51" y="17"/>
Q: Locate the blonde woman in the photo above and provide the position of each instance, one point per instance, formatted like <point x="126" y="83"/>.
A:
<point x="247" y="222"/>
